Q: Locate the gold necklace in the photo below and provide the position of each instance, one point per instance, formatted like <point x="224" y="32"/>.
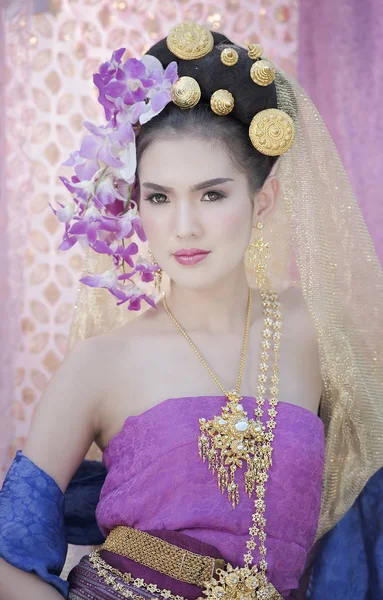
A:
<point x="248" y="582"/>
<point x="231" y="393"/>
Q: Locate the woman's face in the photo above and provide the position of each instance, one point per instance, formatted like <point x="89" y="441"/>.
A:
<point x="192" y="197"/>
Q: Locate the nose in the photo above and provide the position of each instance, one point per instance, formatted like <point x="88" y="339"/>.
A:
<point x="186" y="221"/>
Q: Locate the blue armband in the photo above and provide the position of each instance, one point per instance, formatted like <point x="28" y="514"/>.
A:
<point x="32" y="532"/>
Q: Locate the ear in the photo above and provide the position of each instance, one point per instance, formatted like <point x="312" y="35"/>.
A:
<point x="265" y="202"/>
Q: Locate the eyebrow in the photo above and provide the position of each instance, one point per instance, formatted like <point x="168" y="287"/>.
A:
<point x="194" y="188"/>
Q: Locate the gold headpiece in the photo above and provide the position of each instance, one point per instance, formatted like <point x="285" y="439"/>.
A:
<point x="185" y="92"/>
<point x="272" y="131"/>
<point x="262" y="72"/>
<point x="190" y="41"/>
<point x="229" y="57"/>
<point x="254" y="51"/>
<point x="222" y="102"/>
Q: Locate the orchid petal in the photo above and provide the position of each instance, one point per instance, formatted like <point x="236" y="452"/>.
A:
<point x="151" y="63"/>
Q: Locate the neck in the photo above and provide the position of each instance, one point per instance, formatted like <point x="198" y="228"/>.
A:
<point x="219" y="309"/>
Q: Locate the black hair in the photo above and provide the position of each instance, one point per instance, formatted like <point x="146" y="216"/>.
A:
<point x="200" y="121"/>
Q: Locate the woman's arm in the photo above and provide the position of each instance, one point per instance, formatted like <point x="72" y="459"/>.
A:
<point x="66" y="419"/>
<point x="32" y="535"/>
<point x="18" y="585"/>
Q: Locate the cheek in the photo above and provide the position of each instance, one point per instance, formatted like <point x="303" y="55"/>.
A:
<point x="235" y="222"/>
<point x="151" y="221"/>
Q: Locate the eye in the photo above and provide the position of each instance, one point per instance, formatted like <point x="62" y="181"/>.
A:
<point x="214" y="196"/>
<point x="153" y="199"/>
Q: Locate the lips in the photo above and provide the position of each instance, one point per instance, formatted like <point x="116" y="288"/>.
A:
<point x="190" y="252"/>
<point x="191" y="256"/>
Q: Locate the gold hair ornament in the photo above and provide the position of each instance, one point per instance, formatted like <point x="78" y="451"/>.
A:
<point x="190" y="41"/>
<point x="185" y="92"/>
<point x="272" y="132"/>
<point x="222" y="102"/>
<point x="262" y="72"/>
<point x="254" y="51"/>
<point x="229" y="57"/>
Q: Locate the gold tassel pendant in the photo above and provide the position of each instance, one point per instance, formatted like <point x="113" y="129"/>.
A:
<point x="228" y="440"/>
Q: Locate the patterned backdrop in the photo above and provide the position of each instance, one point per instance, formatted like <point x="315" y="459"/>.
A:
<point x="51" y="57"/>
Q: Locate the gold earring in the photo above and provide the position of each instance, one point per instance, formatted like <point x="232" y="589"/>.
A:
<point x="157" y="274"/>
<point x="257" y="256"/>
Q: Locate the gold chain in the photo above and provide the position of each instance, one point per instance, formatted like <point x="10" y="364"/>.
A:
<point x="110" y="576"/>
<point x="250" y="582"/>
<point x="244" y="348"/>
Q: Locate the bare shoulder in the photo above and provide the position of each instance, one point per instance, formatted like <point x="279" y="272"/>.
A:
<point x="65" y="421"/>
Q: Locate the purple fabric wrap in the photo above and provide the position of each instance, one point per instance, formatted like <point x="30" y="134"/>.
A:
<point x="157" y="481"/>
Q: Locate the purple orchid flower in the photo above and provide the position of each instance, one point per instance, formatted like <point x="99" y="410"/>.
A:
<point x="103" y="210"/>
<point x="107" y="72"/>
<point x="129" y="224"/>
<point x="145" y="268"/>
<point x="101" y="144"/>
<point x="66" y="212"/>
<point x="86" y="187"/>
<point x="89" y="224"/>
<point x="126" y="253"/>
<point x="83" y="167"/>
<point x="159" y="94"/>
<point x="130" y="82"/>
<point x="128" y="113"/>
<point x="67" y="241"/>
<point x="134" y="296"/>
<point x="108" y="190"/>
<point x="107" y="280"/>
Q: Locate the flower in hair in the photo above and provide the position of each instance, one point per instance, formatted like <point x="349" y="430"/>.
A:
<point x="102" y="214"/>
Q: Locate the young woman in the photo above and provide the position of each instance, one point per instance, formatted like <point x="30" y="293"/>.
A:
<point x="228" y="411"/>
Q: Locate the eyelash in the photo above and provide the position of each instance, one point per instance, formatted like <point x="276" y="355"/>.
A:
<point x="152" y="196"/>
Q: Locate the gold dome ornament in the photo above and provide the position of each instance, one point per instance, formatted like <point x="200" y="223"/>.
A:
<point x="254" y="51"/>
<point x="229" y="57"/>
<point x="222" y="102"/>
<point x="272" y="132"/>
<point x="190" y="41"/>
<point x="262" y="72"/>
<point x="185" y="92"/>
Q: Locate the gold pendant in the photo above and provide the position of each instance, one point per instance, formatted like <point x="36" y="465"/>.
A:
<point x="226" y="441"/>
<point x="240" y="583"/>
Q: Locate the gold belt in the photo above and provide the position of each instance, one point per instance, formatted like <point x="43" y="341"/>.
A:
<point x="162" y="556"/>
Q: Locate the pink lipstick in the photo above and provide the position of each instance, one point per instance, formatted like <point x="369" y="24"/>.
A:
<point x="191" y="256"/>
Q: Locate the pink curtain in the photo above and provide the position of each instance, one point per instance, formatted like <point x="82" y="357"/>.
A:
<point x="15" y="19"/>
<point x="340" y="51"/>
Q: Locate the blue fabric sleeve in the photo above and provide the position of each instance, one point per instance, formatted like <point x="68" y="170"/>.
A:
<point x="32" y="532"/>
<point x="80" y="503"/>
<point x="349" y="563"/>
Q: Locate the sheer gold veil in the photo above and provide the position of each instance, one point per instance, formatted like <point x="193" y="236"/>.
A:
<point x="318" y="241"/>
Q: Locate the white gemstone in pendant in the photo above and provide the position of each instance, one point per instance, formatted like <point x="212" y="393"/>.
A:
<point x="240" y="446"/>
<point x="222" y="422"/>
<point x="239" y="407"/>
<point x="241" y="424"/>
<point x="258" y="427"/>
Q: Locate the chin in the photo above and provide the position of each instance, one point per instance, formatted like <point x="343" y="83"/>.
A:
<point x="198" y="281"/>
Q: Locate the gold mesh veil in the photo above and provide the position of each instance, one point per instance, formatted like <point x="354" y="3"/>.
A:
<point x="318" y="241"/>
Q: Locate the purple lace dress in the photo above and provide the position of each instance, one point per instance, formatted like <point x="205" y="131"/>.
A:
<point x="157" y="481"/>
